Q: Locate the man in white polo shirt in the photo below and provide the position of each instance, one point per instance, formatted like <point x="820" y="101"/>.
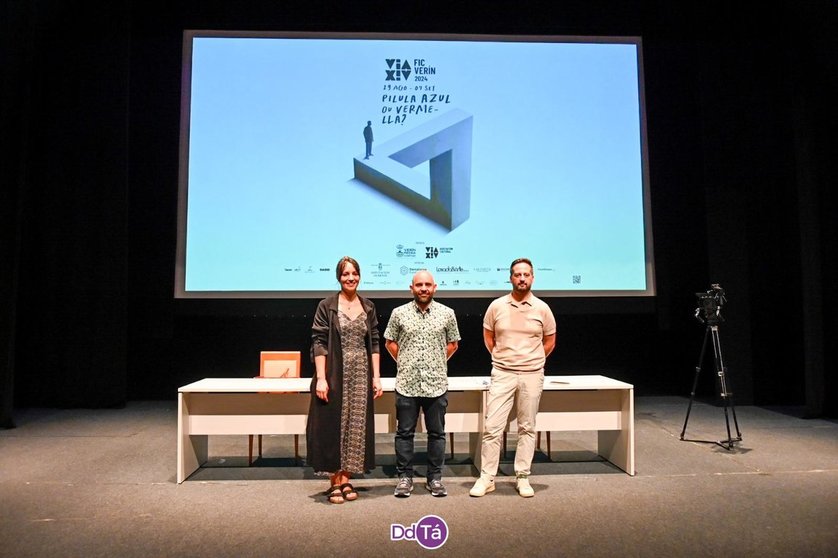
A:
<point x="519" y="330"/>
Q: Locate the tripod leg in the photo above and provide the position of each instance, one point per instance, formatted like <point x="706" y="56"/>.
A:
<point x="720" y="365"/>
<point x="695" y="380"/>
<point x="727" y="444"/>
<point x="727" y="397"/>
<point x="735" y="422"/>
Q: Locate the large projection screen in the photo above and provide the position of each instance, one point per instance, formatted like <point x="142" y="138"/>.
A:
<point x="482" y="149"/>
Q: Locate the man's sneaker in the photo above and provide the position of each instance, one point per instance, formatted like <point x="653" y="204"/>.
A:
<point x="404" y="488"/>
<point x="482" y="486"/>
<point x="436" y="488"/>
<point x="522" y="485"/>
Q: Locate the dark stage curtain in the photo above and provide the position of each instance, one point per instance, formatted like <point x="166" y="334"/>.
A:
<point x="741" y="123"/>
<point x="15" y="46"/>
<point x="68" y="318"/>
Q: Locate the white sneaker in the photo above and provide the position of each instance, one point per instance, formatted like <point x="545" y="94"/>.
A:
<point x="482" y="486"/>
<point x="522" y="485"/>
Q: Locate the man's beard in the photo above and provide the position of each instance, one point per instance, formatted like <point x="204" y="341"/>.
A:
<point x="522" y="288"/>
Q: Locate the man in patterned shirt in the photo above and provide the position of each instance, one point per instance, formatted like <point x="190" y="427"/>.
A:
<point x="421" y="336"/>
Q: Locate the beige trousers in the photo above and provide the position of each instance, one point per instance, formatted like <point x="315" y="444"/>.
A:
<point x="524" y="390"/>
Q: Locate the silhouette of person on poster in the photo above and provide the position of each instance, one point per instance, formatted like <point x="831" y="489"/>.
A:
<point x="368" y="139"/>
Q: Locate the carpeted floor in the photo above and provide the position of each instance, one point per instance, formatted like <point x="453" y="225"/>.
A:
<point x="102" y="483"/>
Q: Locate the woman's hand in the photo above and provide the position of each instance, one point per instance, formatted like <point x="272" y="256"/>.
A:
<point x="322" y="389"/>
<point x="377" y="390"/>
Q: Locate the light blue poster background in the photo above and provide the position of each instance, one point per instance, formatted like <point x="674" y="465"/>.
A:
<point x="275" y="124"/>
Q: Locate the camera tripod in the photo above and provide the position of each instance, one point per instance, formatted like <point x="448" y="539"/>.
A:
<point x="727" y="397"/>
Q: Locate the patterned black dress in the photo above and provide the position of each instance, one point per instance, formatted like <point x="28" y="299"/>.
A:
<point x="340" y="433"/>
<point x="356" y="387"/>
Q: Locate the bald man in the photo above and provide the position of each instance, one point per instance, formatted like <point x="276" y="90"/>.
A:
<point x="421" y="336"/>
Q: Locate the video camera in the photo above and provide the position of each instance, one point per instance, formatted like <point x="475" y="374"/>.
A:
<point x="710" y="304"/>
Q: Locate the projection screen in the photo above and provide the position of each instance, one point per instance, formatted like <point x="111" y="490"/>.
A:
<point x="455" y="154"/>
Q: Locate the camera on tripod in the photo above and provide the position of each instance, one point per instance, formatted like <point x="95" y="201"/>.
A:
<point x="709" y="312"/>
<point x="710" y="304"/>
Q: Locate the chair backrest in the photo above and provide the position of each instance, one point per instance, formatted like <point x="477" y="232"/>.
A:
<point x="279" y="364"/>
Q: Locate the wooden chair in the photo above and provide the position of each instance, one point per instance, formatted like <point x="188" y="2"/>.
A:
<point x="538" y="443"/>
<point x="276" y="364"/>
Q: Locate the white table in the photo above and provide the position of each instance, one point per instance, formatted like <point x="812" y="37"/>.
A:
<point x="242" y="406"/>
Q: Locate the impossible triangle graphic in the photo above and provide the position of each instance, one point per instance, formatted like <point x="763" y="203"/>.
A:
<point x="445" y="142"/>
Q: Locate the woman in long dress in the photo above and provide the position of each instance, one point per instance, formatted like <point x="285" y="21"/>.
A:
<point x="340" y="435"/>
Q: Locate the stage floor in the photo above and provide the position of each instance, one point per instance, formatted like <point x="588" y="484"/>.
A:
<point x="102" y="483"/>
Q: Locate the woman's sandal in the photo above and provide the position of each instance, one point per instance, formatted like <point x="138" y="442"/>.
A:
<point x="335" y="495"/>
<point x="349" y="492"/>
